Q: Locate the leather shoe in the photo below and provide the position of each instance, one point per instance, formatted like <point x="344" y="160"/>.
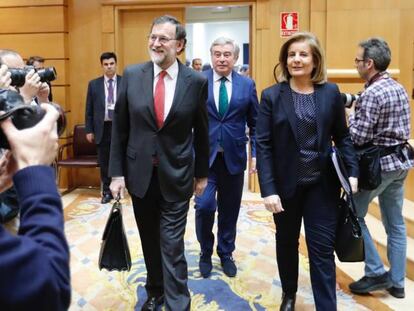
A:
<point x="205" y="265"/>
<point x="153" y="303"/>
<point x="106" y="198"/>
<point x="288" y="302"/>
<point x="228" y="265"/>
<point x="397" y="292"/>
<point x="370" y="283"/>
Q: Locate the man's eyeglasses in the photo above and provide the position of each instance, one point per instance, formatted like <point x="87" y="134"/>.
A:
<point x="357" y="60"/>
<point x="161" y="39"/>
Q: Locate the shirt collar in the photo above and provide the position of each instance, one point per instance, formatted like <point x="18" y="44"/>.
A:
<point x="172" y="71"/>
<point x="217" y="77"/>
<point x="106" y="78"/>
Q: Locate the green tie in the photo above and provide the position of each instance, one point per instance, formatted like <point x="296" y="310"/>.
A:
<point x="223" y="97"/>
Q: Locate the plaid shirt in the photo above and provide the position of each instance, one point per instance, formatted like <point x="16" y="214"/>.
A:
<point x="382" y="116"/>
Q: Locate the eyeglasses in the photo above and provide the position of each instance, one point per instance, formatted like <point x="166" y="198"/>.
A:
<point x="357" y="60"/>
<point x="161" y="39"/>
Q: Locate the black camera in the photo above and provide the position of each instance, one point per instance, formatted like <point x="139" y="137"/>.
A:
<point x="18" y="76"/>
<point x="348" y="99"/>
<point x="23" y="115"/>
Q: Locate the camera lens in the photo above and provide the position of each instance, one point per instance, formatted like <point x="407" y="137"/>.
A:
<point x="18" y="77"/>
<point x="47" y="74"/>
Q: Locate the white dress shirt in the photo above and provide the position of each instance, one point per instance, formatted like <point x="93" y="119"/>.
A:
<point x="170" y="82"/>
<point x="106" y="84"/>
<point x="217" y="82"/>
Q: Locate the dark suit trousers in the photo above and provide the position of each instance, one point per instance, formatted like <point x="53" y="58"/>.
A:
<point x="104" y="148"/>
<point x="229" y="189"/>
<point x="320" y="215"/>
<point x="161" y="226"/>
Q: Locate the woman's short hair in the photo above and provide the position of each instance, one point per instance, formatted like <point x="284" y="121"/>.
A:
<point x="318" y="74"/>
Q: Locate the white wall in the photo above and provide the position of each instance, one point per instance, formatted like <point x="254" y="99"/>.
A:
<point x="201" y="35"/>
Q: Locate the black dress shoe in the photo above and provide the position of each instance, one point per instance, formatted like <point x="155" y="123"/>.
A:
<point x="153" y="303"/>
<point x="288" y="302"/>
<point x="106" y="198"/>
<point x="397" y="292"/>
<point x="205" y="265"/>
<point x="370" y="283"/>
<point x="228" y="265"/>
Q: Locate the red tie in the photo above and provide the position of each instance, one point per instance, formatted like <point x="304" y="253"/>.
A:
<point x="159" y="98"/>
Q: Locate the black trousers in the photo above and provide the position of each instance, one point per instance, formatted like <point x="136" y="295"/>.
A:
<point x="161" y="226"/>
<point x="319" y="210"/>
<point x="104" y="148"/>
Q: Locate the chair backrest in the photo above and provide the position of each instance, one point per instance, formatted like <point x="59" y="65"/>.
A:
<point x="81" y="147"/>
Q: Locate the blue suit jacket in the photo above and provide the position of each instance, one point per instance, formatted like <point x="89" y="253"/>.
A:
<point x="231" y="130"/>
<point x="277" y="141"/>
<point x="34" y="266"/>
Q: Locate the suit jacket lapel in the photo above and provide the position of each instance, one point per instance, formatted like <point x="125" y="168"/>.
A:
<point x="101" y="91"/>
<point x="320" y="112"/>
<point x="235" y="84"/>
<point x="146" y="93"/>
<point x="288" y="106"/>
<point x="212" y="101"/>
<point x="182" y="85"/>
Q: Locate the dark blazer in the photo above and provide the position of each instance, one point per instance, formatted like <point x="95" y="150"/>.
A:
<point x="34" y="266"/>
<point x="95" y="106"/>
<point x="231" y="130"/>
<point x="181" y="144"/>
<point x="277" y="142"/>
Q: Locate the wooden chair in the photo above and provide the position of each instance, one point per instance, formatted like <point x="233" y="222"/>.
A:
<point x="80" y="153"/>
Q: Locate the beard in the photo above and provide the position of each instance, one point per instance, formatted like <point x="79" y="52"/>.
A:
<point x="157" y="58"/>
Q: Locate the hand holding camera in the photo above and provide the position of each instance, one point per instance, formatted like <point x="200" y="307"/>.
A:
<point x="5" y="77"/>
<point x="36" y="145"/>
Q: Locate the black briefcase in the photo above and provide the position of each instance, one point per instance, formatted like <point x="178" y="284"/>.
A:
<point x="114" y="253"/>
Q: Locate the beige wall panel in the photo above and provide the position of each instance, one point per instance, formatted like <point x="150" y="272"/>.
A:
<point x="60" y="66"/>
<point x="108" y="22"/>
<point x="134" y="26"/>
<point x="33" y="19"/>
<point x="50" y="45"/>
<point x="108" y="43"/>
<point x="59" y="96"/>
<point x="263" y="14"/>
<point x="85" y="44"/>
<point x="318" y="26"/>
<point x="362" y="5"/>
<point x="17" y="3"/>
<point x="318" y="5"/>
<point x="346" y="28"/>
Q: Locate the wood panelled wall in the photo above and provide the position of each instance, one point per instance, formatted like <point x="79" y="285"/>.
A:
<point x="94" y="26"/>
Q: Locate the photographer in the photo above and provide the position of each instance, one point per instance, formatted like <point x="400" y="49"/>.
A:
<point x="38" y="62"/>
<point x="33" y="89"/>
<point x="34" y="265"/>
<point x="381" y="117"/>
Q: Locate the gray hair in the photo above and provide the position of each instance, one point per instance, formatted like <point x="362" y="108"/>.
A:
<point x="5" y="52"/>
<point x="223" y="41"/>
<point x="180" y="33"/>
<point x="377" y="50"/>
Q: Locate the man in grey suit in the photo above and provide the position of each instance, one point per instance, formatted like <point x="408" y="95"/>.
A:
<point x="100" y="104"/>
<point x="160" y="153"/>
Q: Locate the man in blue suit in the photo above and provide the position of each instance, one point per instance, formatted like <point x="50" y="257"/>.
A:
<point x="232" y="104"/>
<point x="100" y="105"/>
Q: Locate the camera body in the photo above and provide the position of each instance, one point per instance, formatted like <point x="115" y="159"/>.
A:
<point x="22" y="115"/>
<point x="348" y="99"/>
<point x="18" y="76"/>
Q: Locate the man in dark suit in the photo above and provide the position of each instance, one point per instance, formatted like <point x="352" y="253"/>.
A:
<point x="100" y="104"/>
<point x="159" y="144"/>
<point x="232" y="104"/>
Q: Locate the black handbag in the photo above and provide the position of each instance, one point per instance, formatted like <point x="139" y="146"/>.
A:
<point x="369" y="166"/>
<point x="349" y="243"/>
<point x="114" y="253"/>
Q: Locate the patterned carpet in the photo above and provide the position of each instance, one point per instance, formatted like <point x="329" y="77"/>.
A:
<point x="256" y="287"/>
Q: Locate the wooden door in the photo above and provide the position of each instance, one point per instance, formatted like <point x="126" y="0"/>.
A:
<point x="134" y="27"/>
